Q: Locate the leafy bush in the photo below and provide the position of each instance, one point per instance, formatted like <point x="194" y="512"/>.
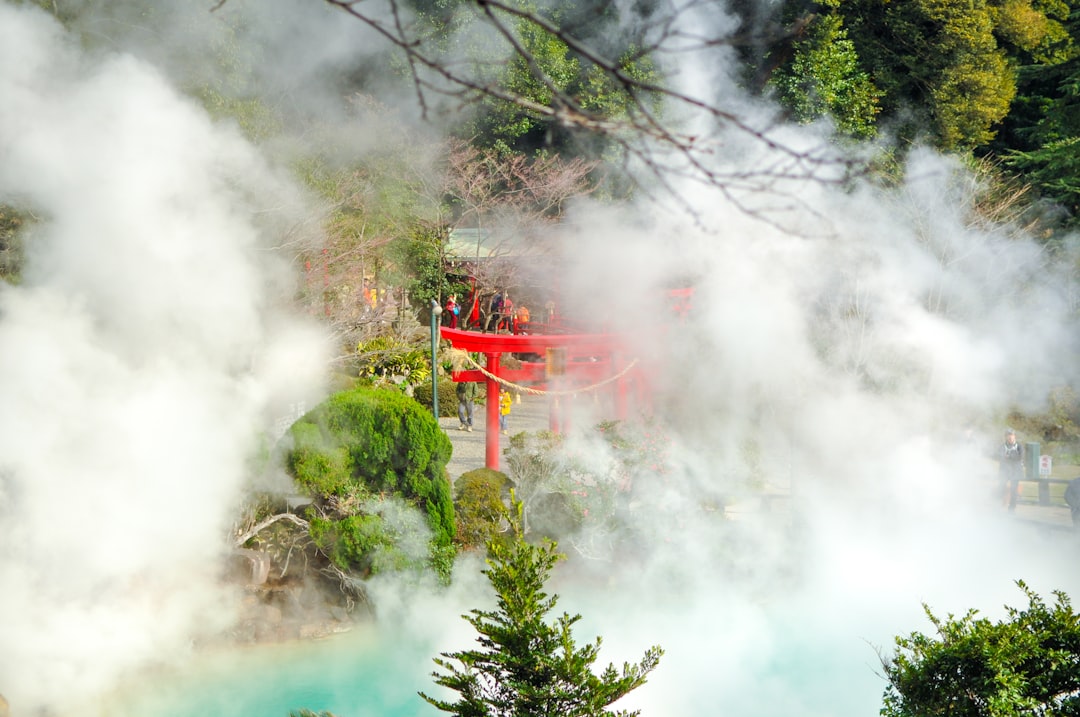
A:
<point x="447" y="396"/>
<point x="1028" y="664"/>
<point x="360" y="543"/>
<point x="479" y="506"/>
<point x="387" y="356"/>
<point x="374" y="441"/>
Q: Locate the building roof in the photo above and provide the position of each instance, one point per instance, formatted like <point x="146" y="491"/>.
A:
<point x="468" y="243"/>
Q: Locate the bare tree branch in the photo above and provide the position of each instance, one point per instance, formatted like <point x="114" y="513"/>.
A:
<point x="665" y="151"/>
<point x="262" y="525"/>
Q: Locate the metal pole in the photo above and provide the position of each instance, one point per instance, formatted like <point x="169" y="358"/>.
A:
<point x="1031" y="457"/>
<point x="436" y="312"/>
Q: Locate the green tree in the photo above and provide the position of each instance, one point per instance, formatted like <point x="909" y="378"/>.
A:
<point x="1027" y="664"/>
<point x="949" y="66"/>
<point x="525" y="666"/>
<point x="420" y="259"/>
<point x="545" y="71"/>
<point x="355" y="449"/>
<point x="1040" y="138"/>
<point x="824" y="78"/>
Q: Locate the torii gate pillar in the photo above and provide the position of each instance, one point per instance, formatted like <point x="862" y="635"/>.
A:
<point x="491" y="428"/>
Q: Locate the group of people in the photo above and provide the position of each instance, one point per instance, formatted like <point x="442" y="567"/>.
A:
<point x="503" y="314"/>
<point x="466" y="396"/>
<point x="507" y="317"/>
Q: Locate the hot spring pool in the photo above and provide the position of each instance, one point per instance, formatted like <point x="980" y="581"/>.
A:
<point x="349" y="675"/>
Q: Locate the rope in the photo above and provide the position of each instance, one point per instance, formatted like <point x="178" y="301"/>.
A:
<point x="457" y="354"/>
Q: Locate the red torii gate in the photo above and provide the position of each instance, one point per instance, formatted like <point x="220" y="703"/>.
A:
<point x="604" y="348"/>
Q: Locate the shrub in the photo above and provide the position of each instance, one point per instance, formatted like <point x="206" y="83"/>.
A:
<point x="359" y="543"/>
<point x="374" y="441"/>
<point x="389" y="356"/>
<point x="479" y="506"/>
<point x="447" y="396"/>
<point x="1026" y="664"/>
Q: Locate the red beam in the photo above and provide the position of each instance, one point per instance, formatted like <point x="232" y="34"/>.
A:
<point x="576" y="344"/>
<point x="583" y="372"/>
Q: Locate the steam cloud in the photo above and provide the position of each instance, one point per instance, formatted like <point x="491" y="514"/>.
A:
<point x="842" y="362"/>
<point x="143" y="353"/>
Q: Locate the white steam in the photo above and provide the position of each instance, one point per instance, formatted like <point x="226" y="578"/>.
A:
<point x="141" y="359"/>
<point x="841" y="363"/>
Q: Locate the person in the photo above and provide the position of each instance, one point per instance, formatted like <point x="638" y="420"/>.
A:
<point x="495" y="311"/>
<point x="474" y="313"/>
<point x="521" y="319"/>
<point x="505" y="402"/>
<point x="506" y="313"/>
<point x="1010" y="468"/>
<point x="1072" y="498"/>
<point x="466" y="394"/>
<point x="452" y="311"/>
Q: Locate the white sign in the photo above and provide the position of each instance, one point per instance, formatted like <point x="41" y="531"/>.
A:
<point x="1045" y="464"/>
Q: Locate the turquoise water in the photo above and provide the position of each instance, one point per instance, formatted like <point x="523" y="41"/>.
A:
<point x="349" y="675"/>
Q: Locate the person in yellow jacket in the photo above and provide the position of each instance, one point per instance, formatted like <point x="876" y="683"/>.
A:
<point x="504" y="410"/>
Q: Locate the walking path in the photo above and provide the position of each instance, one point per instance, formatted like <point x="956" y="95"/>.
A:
<point x="531" y="414"/>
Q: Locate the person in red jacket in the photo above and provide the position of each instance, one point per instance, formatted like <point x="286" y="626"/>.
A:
<point x="452" y="311"/>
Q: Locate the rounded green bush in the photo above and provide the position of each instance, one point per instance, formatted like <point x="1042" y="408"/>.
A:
<point x="480" y="505"/>
<point x="375" y="441"/>
<point x="447" y="396"/>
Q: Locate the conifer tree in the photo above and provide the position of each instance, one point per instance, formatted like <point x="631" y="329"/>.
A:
<point x="524" y="665"/>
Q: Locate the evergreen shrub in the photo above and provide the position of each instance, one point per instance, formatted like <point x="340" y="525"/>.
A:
<point x="369" y="441"/>
<point x="447" y="396"/>
<point x="360" y="543"/>
<point x="479" y="505"/>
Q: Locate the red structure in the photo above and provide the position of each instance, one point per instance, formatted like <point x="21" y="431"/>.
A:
<point x="569" y="361"/>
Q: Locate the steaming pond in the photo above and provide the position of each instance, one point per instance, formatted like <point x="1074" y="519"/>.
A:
<point x="372" y="673"/>
<point x="351" y="675"/>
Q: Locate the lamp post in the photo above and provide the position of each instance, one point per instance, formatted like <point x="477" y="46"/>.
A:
<point x="436" y="312"/>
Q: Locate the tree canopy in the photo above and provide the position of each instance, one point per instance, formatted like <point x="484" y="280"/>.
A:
<point x="526" y="666"/>
<point x="1026" y="664"/>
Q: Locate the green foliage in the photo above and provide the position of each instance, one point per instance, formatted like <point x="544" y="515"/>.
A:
<point x="388" y="356"/>
<point x="361" y="543"/>
<point x="824" y="78"/>
<point x="567" y="490"/>
<point x="447" y="396"/>
<point x="1028" y="664"/>
<point x="479" y="506"/>
<point x="365" y="441"/>
<point x="950" y="65"/>
<point x="420" y="256"/>
<point x="1054" y="169"/>
<point x="12" y="224"/>
<point x="1040" y="139"/>
<point x="550" y="67"/>
<point x="526" y="666"/>
<point x="256" y="120"/>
